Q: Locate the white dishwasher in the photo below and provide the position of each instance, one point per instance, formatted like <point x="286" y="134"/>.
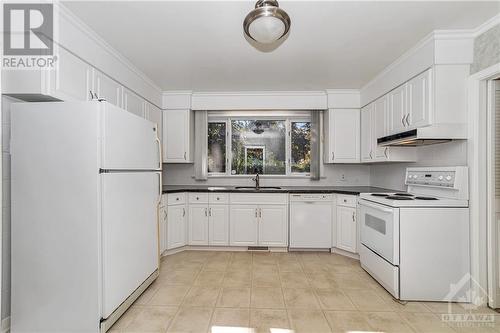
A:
<point x="311" y="221"/>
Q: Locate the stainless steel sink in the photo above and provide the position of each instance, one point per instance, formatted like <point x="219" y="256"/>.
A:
<point x="262" y="188"/>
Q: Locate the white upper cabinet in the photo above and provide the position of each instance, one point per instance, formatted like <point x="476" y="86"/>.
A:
<point x="397" y="110"/>
<point x="379" y="127"/>
<point x="71" y="80"/>
<point x="341" y="136"/>
<point x="133" y="103"/>
<point x="418" y="91"/>
<point x="178" y="132"/>
<point x="107" y="88"/>
<point x="366" y="133"/>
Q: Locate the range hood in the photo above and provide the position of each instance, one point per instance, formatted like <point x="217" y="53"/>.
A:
<point x="439" y="133"/>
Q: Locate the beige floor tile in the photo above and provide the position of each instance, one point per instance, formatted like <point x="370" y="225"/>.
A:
<point x="231" y="319"/>
<point x="205" y="296"/>
<point x="426" y="322"/>
<point x="353" y="281"/>
<point x="148" y="294"/>
<point x="388" y="322"/>
<point x="264" y="320"/>
<point x="294" y="280"/>
<point x="234" y="298"/>
<point x="151" y="319"/>
<point x="169" y="295"/>
<point x="127" y="318"/>
<point x="348" y="321"/>
<point x="290" y="266"/>
<point x="315" y="267"/>
<point x="300" y="298"/>
<point x="191" y="320"/>
<point x="216" y="265"/>
<point x="267" y="298"/>
<point x="307" y="320"/>
<point x="264" y="258"/>
<point x="445" y="307"/>
<point x="237" y="279"/>
<point x="265" y="279"/>
<point x="334" y="300"/>
<point x="178" y="277"/>
<point x="367" y="300"/>
<point x="209" y="278"/>
<point x="322" y="281"/>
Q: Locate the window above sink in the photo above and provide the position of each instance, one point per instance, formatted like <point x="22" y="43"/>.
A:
<point x="267" y="145"/>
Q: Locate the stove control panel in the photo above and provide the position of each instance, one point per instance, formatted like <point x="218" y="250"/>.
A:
<point x="445" y="178"/>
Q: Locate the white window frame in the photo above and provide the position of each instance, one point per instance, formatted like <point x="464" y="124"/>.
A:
<point x="287" y="117"/>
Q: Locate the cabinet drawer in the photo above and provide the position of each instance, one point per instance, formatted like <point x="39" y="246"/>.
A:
<point x="198" y="198"/>
<point x="176" y="198"/>
<point x="259" y="198"/>
<point x="347" y="200"/>
<point x="218" y="198"/>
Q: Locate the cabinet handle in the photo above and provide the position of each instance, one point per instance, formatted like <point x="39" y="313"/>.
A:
<point x="353" y="218"/>
<point x="371" y="157"/>
<point x="260" y="212"/>
<point x="185" y="156"/>
<point x="407" y="119"/>
<point x="256" y="212"/>
<point x="206" y="213"/>
<point x="385" y="152"/>
<point x="403" y="121"/>
<point x="164" y="214"/>
<point x="210" y="212"/>
<point x="333" y="155"/>
<point x="183" y="212"/>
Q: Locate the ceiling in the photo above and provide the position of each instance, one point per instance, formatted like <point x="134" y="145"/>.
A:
<point x="199" y="45"/>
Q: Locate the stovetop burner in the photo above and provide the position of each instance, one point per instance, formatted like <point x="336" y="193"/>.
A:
<point x="426" y="198"/>
<point x="399" y="197"/>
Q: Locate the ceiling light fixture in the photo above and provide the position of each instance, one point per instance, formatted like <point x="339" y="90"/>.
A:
<point x="267" y="23"/>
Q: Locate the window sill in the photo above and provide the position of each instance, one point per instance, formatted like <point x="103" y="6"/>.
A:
<point x="305" y="176"/>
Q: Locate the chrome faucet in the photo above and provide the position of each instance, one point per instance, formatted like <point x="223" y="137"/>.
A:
<point x="257" y="181"/>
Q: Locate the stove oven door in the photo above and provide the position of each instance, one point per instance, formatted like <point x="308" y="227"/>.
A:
<point x="380" y="230"/>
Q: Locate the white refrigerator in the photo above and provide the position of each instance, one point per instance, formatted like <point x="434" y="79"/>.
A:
<point x="86" y="184"/>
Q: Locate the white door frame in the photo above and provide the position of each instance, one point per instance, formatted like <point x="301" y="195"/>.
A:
<point x="478" y="182"/>
<point x="492" y="224"/>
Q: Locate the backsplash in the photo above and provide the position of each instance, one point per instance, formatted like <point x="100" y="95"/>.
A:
<point x="332" y="175"/>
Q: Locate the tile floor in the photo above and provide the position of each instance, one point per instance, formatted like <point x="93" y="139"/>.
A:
<point x="243" y="292"/>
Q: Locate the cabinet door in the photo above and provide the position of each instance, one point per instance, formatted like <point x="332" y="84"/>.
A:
<point x="398" y="112"/>
<point x="176" y="132"/>
<point x="346" y="228"/>
<point x="243" y="225"/>
<point x="419" y="106"/>
<point x="154" y="114"/>
<point x="366" y="133"/>
<point x="133" y="103"/>
<point x="162" y="229"/>
<point x="176" y="228"/>
<point x="218" y="233"/>
<point x="71" y="80"/>
<point x="379" y="129"/>
<point x="198" y="225"/>
<point x="273" y="225"/>
<point x="344" y="135"/>
<point x="107" y="88"/>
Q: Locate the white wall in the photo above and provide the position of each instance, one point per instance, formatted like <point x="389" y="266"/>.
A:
<point x="357" y="175"/>
<point x="447" y="154"/>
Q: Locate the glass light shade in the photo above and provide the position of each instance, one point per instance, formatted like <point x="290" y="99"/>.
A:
<point x="266" y="29"/>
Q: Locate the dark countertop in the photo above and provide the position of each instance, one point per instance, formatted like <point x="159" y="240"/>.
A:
<point x="354" y="190"/>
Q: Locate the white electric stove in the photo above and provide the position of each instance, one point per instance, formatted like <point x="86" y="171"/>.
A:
<point x="416" y="243"/>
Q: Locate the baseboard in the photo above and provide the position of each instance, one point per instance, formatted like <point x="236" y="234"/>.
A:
<point x="5" y="325"/>
<point x="345" y="253"/>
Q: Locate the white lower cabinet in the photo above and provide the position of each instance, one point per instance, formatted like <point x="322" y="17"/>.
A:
<point x="198" y="225"/>
<point x="218" y="225"/>
<point x="273" y="223"/>
<point x="243" y="225"/>
<point x="176" y="226"/>
<point x="259" y="225"/>
<point x="346" y="221"/>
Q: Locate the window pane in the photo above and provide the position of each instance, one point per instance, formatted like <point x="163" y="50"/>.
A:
<point x="301" y="147"/>
<point x="217" y="147"/>
<point x="258" y="146"/>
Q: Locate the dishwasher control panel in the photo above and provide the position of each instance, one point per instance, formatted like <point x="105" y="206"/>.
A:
<point x="308" y="197"/>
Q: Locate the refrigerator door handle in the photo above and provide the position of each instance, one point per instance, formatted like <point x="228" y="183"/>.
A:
<point x="159" y="150"/>
<point x="160" y="187"/>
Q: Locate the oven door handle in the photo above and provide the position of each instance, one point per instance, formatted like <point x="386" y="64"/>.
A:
<point x="375" y="206"/>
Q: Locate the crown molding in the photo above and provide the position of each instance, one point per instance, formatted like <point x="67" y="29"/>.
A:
<point x="491" y="23"/>
<point x="67" y="14"/>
